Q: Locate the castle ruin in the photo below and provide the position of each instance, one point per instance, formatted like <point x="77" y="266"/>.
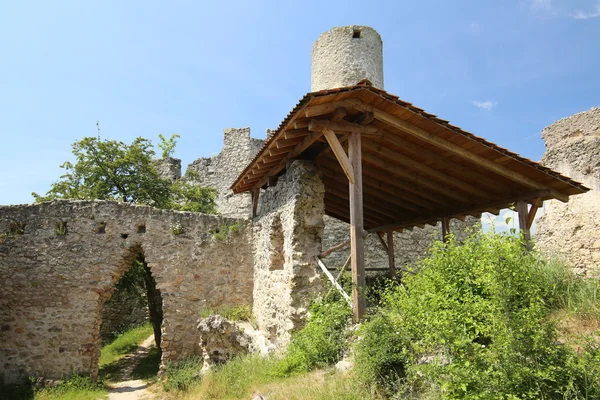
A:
<point x="290" y="197"/>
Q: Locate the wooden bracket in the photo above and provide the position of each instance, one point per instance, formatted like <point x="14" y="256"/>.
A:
<point x="339" y="153"/>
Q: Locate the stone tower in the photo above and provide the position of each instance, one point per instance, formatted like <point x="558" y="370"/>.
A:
<point x="345" y="55"/>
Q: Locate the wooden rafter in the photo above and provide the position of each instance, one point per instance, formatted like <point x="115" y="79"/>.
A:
<point x="340" y="154"/>
<point x="458" y="150"/>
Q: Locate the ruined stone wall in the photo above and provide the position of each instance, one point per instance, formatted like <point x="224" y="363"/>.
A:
<point x="61" y="262"/>
<point x="571" y="230"/>
<point x="287" y="240"/>
<point x="409" y="246"/>
<point x="219" y="172"/>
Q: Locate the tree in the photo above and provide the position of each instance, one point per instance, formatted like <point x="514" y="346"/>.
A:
<point x="113" y="170"/>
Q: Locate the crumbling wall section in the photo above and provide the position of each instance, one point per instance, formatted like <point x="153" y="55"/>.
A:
<point x="219" y="172"/>
<point x="60" y="261"/>
<point x="409" y="246"/>
<point x="571" y="230"/>
<point x="287" y="239"/>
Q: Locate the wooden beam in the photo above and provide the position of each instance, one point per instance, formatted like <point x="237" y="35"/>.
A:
<point x="339" y="114"/>
<point x="396" y="170"/>
<point x="535" y="205"/>
<point x="445" y="228"/>
<point x="464" y="209"/>
<point x="296" y="133"/>
<point x="255" y="197"/>
<point x="322" y="109"/>
<point x="300" y="147"/>
<point x="342" y="126"/>
<point x="382" y="241"/>
<point x="391" y="254"/>
<point x="335" y="248"/>
<point x="339" y="153"/>
<point x="453" y="148"/>
<point x="357" y="250"/>
<point x="334" y="282"/>
<point x="437" y="159"/>
<point x="364" y="118"/>
<point x="523" y="212"/>
<point x="398" y="158"/>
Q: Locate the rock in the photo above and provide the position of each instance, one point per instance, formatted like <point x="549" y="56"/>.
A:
<point x="220" y="340"/>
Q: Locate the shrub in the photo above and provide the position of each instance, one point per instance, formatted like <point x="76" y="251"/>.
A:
<point x="232" y="313"/>
<point x="321" y="342"/>
<point x="473" y="324"/>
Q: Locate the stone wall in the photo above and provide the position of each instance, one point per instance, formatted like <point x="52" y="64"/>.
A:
<point x="409" y="246"/>
<point x="219" y="172"/>
<point x="62" y="259"/>
<point x="287" y="239"/>
<point x="571" y="230"/>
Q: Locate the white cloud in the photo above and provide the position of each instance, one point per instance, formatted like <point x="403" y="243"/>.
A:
<point x="486" y="105"/>
<point x="542" y="5"/>
<point x="587" y="15"/>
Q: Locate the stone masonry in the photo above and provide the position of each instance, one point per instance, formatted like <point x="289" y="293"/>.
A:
<point x="62" y="259"/>
<point x="287" y="240"/>
<point x="571" y="230"/>
<point x="220" y="171"/>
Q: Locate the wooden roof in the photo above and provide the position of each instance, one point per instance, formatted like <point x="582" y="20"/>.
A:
<point x="417" y="168"/>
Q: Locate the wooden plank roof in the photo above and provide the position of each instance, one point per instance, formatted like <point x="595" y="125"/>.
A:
<point x="417" y="168"/>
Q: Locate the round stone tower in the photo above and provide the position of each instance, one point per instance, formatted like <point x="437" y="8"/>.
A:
<point x="345" y="55"/>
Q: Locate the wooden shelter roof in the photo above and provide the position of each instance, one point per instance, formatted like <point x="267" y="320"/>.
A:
<point x="416" y="167"/>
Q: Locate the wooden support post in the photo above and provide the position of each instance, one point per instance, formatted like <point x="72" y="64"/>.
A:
<point x="523" y="212"/>
<point x="445" y="228"/>
<point x="391" y="256"/>
<point x="255" y="196"/>
<point x="357" y="250"/>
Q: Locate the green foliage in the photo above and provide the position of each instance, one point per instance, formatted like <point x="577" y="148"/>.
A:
<point x="167" y="145"/>
<point x="190" y="197"/>
<point x="232" y="313"/>
<point x="18" y="391"/>
<point x="473" y="324"/>
<point x="124" y="344"/>
<point x="60" y="228"/>
<point x="113" y="170"/>
<point x="177" y="229"/>
<point x="223" y="231"/>
<point x="75" y="388"/>
<point x="182" y="376"/>
<point x="321" y="341"/>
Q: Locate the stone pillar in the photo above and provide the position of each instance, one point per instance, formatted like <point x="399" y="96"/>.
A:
<point x="287" y="240"/>
<point x="571" y="230"/>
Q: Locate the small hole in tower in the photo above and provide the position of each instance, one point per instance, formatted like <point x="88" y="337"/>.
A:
<point x="356" y="34"/>
<point x="124" y="235"/>
<point x="141" y="229"/>
<point x="101" y="227"/>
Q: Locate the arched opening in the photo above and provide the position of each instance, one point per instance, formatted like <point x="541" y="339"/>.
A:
<point x="135" y="301"/>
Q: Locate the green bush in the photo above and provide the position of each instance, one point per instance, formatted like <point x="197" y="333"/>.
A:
<point x="473" y="324"/>
<point x="75" y="388"/>
<point x="321" y="342"/>
<point x="232" y="313"/>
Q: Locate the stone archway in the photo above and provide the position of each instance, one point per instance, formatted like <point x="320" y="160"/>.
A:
<point x="59" y="270"/>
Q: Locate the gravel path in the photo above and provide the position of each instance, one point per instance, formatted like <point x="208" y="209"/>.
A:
<point x="127" y="388"/>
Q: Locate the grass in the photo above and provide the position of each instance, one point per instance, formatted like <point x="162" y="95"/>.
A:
<point x="126" y="343"/>
<point x="232" y="313"/>
<point x="244" y="377"/>
<point x="76" y="388"/>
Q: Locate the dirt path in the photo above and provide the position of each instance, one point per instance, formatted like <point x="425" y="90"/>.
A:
<point x="131" y="389"/>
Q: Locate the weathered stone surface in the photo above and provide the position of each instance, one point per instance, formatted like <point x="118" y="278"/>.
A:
<point x="220" y="340"/>
<point x="219" y="172"/>
<point x="345" y="55"/>
<point x="169" y="168"/>
<point x="294" y="209"/>
<point x="571" y="231"/>
<point x="55" y="282"/>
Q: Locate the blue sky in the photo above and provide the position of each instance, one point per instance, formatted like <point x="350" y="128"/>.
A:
<point x="501" y="69"/>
